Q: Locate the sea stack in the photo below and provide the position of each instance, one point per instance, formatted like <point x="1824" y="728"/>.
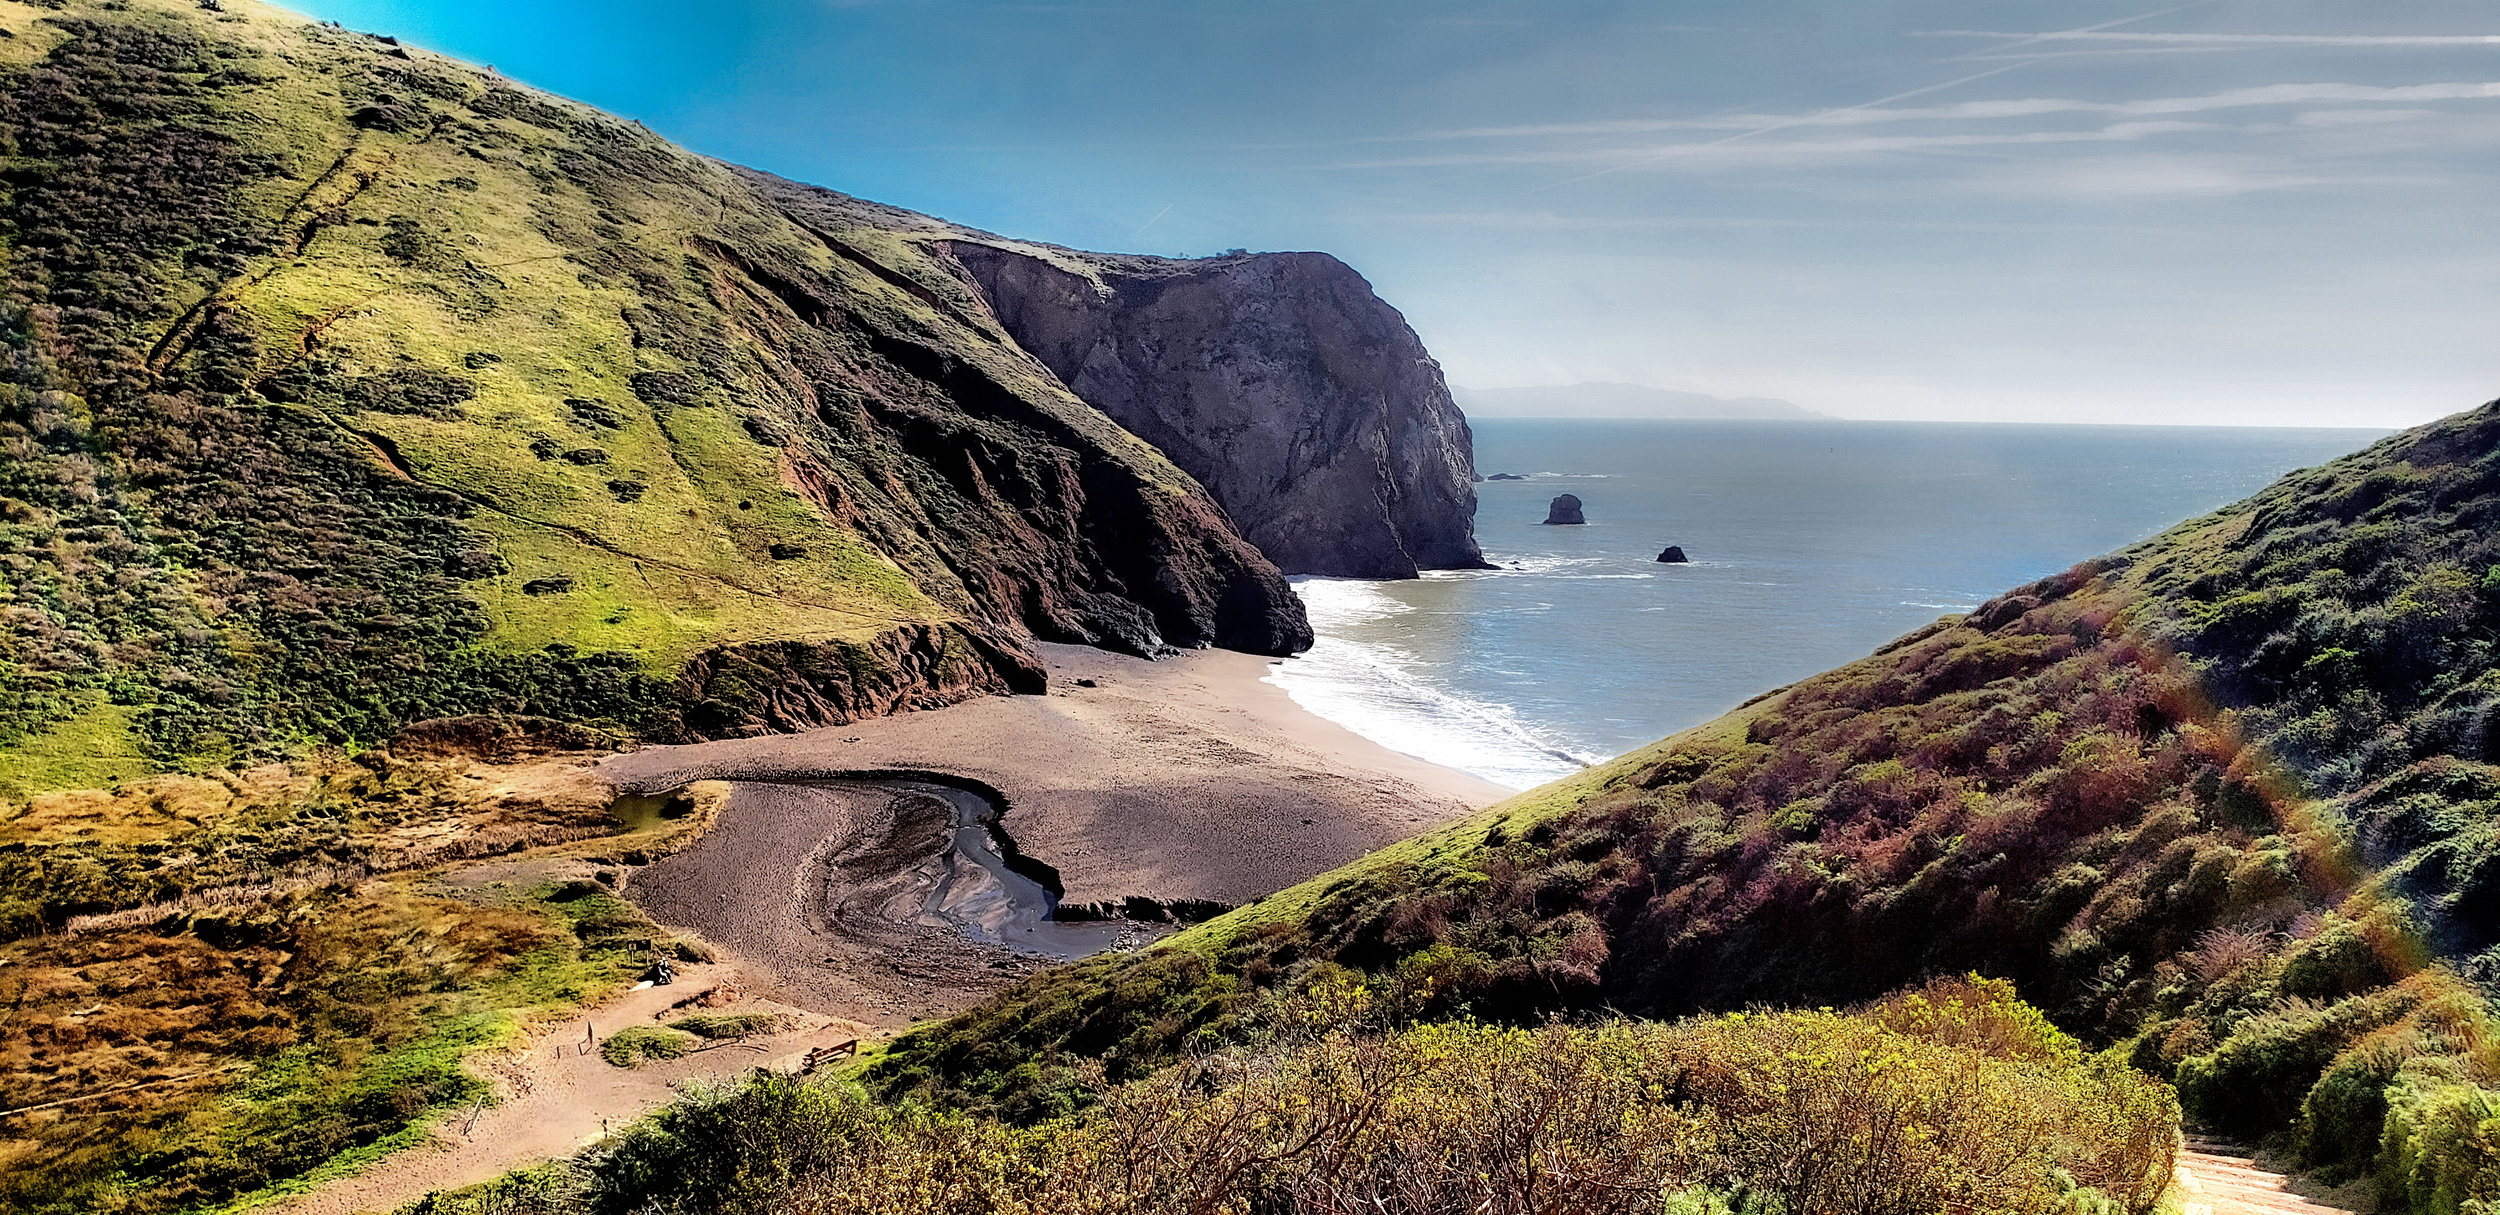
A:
<point x="1565" y="509"/>
<point x="1674" y="555"/>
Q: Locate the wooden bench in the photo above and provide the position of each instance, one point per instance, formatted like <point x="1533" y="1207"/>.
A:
<point x="823" y="1055"/>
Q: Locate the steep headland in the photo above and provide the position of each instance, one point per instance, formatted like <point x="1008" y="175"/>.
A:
<point x="1299" y="398"/>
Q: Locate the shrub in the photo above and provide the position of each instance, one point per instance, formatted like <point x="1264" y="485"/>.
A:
<point x="1956" y="1097"/>
<point x="551" y="1189"/>
<point x="2342" y="1118"/>
<point x="2440" y="1153"/>
<point x="2251" y="1083"/>
<point x="630" y="1046"/>
<point x="731" y="1025"/>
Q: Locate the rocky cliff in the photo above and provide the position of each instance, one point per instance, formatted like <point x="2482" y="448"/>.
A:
<point x="343" y="385"/>
<point x="1279" y="380"/>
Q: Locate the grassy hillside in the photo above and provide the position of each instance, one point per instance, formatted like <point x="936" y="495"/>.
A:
<point x="343" y="386"/>
<point x="2225" y="799"/>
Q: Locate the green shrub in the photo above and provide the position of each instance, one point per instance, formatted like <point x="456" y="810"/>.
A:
<point x="2255" y="1080"/>
<point x="2440" y="1153"/>
<point x="2343" y="1116"/>
<point x="731" y="1025"/>
<point x="1956" y="1097"/>
<point x="548" y="1189"/>
<point x="630" y="1046"/>
<point x="2337" y="962"/>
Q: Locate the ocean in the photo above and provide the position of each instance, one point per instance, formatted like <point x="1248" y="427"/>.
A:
<point x="1811" y="543"/>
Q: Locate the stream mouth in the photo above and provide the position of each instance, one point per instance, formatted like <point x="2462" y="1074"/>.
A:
<point x="979" y="892"/>
<point x="957" y="869"/>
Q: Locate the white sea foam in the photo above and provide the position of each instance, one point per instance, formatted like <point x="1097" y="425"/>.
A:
<point x="1380" y="692"/>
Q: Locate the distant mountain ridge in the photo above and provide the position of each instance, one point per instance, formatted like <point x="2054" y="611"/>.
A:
<point x="1613" y="400"/>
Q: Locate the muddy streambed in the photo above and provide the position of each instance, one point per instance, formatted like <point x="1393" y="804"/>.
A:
<point x="994" y="900"/>
<point x="872" y="895"/>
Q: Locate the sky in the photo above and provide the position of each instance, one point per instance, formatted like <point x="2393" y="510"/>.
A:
<point x="2238" y="212"/>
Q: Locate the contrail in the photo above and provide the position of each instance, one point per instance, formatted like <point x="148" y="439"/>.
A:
<point x="1141" y="228"/>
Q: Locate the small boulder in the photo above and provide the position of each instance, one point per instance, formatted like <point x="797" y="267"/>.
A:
<point x="1506" y="477"/>
<point x="1674" y="555"/>
<point x="1564" y="509"/>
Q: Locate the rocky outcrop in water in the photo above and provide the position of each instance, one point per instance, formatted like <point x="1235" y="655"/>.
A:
<point x="1564" y="509"/>
<point x="1298" y="397"/>
<point x="1673" y="554"/>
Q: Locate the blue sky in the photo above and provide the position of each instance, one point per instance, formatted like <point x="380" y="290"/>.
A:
<point x="2238" y="211"/>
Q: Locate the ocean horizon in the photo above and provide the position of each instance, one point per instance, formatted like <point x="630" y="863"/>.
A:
<point x="1810" y="544"/>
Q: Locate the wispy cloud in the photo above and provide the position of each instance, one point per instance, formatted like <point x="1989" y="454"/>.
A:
<point x="2357" y="118"/>
<point x="1783" y="150"/>
<point x="2146" y="175"/>
<point x="1876" y="103"/>
<point x="2261" y="95"/>
<point x="1515" y="220"/>
<point x="2227" y="40"/>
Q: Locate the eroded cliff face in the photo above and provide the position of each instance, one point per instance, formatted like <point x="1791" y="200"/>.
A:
<point x="1280" y="381"/>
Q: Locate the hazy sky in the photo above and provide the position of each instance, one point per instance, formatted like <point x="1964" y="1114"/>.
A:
<point x="2234" y="211"/>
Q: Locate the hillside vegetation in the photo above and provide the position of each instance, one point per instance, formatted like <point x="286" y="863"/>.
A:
<point x="344" y="386"/>
<point x="205" y="997"/>
<point x="2224" y="800"/>
<point x="1956" y="1097"/>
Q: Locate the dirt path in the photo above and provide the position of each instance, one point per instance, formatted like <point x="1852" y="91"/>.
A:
<point x="2222" y="1179"/>
<point x="555" y="1096"/>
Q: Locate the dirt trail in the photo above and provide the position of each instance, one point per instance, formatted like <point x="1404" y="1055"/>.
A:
<point x="2223" y="1179"/>
<point x="556" y="1097"/>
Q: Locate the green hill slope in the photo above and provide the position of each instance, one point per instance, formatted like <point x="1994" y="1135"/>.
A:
<point x="347" y="386"/>
<point x="2226" y="797"/>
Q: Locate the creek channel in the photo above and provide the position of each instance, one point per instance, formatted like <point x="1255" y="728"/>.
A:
<point x="991" y="892"/>
<point x="828" y="880"/>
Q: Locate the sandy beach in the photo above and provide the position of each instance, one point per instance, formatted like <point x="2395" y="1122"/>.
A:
<point x="1185" y="778"/>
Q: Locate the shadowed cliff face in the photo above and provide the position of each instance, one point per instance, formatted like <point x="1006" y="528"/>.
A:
<point x="1280" y="381"/>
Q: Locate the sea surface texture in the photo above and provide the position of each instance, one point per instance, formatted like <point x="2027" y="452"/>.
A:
<point x="1811" y="543"/>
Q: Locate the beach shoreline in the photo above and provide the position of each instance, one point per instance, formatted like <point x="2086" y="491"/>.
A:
<point x="1189" y="778"/>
